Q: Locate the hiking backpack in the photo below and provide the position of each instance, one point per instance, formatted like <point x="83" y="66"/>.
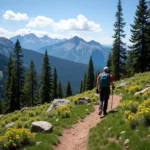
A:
<point x="104" y="80"/>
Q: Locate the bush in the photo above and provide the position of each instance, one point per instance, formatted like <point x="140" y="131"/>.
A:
<point x="16" y="138"/>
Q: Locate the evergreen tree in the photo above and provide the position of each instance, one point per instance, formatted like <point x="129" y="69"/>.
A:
<point x="59" y="90"/>
<point x="46" y="81"/>
<point x="109" y="62"/>
<point x="19" y="72"/>
<point x="54" y="84"/>
<point x="85" y="82"/>
<point x="140" y="38"/>
<point x="130" y="64"/>
<point x="13" y="99"/>
<point x="118" y="50"/>
<point x="1" y="106"/>
<point x="8" y="81"/>
<point x="81" y="87"/>
<point x="68" y="90"/>
<point x="90" y="75"/>
<point x="30" y="86"/>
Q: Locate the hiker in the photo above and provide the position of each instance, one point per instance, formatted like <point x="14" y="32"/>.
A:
<point x="104" y="80"/>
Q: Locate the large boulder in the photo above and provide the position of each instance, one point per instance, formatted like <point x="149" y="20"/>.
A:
<point x="142" y="91"/>
<point x="83" y="100"/>
<point x="121" y="85"/>
<point x="41" y="126"/>
<point x="58" y="102"/>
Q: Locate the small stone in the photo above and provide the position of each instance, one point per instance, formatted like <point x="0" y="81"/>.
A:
<point x="57" y="120"/>
<point x="126" y="142"/>
<point x="127" y="147"/>
<point x="109" y="128"/>
<point x="11" y="124"/>
<point x="148" y="136"/>
<point x="122" y="132"/>
<point x="38" y="143"/>
<point x="137" y="130"/>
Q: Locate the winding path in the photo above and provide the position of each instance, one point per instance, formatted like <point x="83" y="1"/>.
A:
<point x="75" y="138"/>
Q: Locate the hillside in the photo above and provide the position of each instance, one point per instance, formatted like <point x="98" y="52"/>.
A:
<point x="78" y="50"/>
<point x="67" y="70"/>
<point x="31" y="41"/>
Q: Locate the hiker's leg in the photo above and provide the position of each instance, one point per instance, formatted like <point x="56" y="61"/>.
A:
<point x="107" y="93"/>
<point x="101" y="100"/>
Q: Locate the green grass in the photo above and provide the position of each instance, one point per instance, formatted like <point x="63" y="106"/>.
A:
<point x="24" y="119"/>
<point x="107" y="134"/>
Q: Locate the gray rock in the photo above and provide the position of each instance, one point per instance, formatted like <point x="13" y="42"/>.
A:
<point x="41" y="126"/>
<point x="121" y="85"/>
<point x="25" y="108"/>
<point x="147" y="85"/>
<point x="83" y="100"/>
<point x="58" y="102"/>
<point x="142" y="91"/>
<point x="1" y="115"/>
<point x="122" y="132"/>
<point x="38" y="143"/>
<point x="126" y="142"/>
<point x="11" y="124"/>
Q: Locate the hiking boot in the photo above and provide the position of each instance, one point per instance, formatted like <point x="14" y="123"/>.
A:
<point x="105" y="113"/>
<point x="100" y="112"/>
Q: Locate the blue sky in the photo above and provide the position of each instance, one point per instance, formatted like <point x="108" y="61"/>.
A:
<point x="89" y="19"/>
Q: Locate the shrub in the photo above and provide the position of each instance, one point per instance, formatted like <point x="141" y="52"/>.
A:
<point x="16" y="138"/>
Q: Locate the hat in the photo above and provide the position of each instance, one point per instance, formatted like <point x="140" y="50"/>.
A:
<point x="105" y="68"/>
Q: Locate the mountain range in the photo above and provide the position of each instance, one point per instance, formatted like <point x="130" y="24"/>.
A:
<point x="75" y="49"/>
<point x="67" y="70"/>
<point x="31" y="41"/>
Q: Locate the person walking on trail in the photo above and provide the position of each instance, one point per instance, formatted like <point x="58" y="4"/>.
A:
<point x="103" y="82"/>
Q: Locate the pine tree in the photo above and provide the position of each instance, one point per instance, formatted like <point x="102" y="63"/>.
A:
<point x="13" y="101"/>
<point x="118" y="50"/>
<point x="1" y="106"/>
<point x="54" y="84"/>
<point x="59" y="90"/>
<point x="130" y="64"/>
<point x="19" y="72"/>
<point x="30" y="86"/>
<point x="8" y="81"/>
<point x="90" y="75"/>
<point x="85" y="82"/>
<point x="68" y="90"/>
<point x="109" y="62"/>
<point x="139" y="38"/>
<point x="81" y="87"/>
<point x="46" y="81"/>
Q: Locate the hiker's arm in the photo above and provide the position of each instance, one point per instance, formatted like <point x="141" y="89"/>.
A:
<point x="97" y="83"/>
<point x="111" y="80"/>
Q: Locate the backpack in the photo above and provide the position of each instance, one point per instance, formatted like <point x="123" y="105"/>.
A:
<point x="104" y="80"/>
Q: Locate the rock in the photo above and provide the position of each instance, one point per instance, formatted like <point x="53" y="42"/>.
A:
<point x="11" y="124"/>
<point x="109" y="128"/>
<point x="41" y="126"/>
<point x="142" y="91"/>
<point x="38" y="143"/>
<point x="147" y="85"/>
<point x="58" y="102"/>
<point x="120" y="138"/>
<point x="126" y="142"/>
<point x="148" y="136"/>
<point x="127" y="147"/>
<point x="122" y="132"/>
<point x="121" y="85"/>
<point x="137" y="130"/>
<point x="83" y="100"/>
<point x="25" y="108"/>
<point x="1" y="115"/>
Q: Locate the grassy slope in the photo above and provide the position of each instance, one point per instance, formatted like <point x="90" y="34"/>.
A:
<point x="24" y="119"/>
<point x="107" y="134"/>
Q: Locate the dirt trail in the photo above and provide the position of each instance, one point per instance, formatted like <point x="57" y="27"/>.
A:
<point x="75" y="138"/>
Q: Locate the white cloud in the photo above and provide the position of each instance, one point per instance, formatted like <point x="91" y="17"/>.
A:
<point x="10" y="15"/>
<point x="3" y="32"/>
<point x="80" y="24"/>
<point x="40" y="21"/>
